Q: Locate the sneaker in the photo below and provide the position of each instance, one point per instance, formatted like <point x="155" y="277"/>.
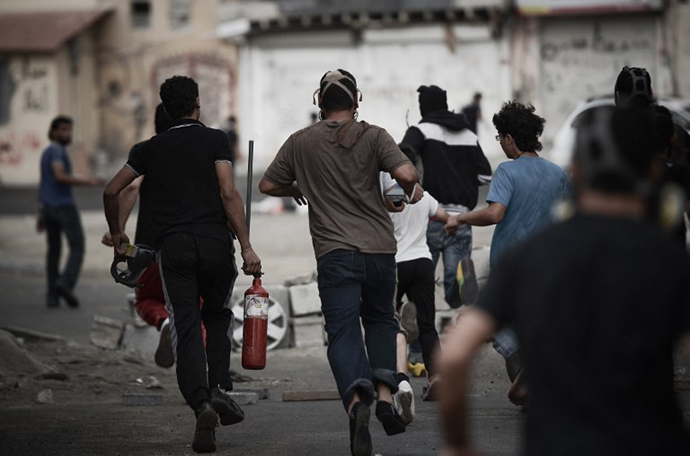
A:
<point x="360" y="439"/>
<point x="389" y="417"/>
<point x="467" y="281"/>
<point x="205" y="433"/>
<point x="67" y="295"/>
<point x="403" y="401"/>
<point x="227" y="409"/>
<point x="430" y="391"/>
<point x="416" y="369"/>
<point x="408" y="320"/>
<point x="164" y="356"/>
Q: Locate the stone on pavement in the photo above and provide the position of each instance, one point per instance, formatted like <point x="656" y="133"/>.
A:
<point x="17" y="360"/>
<point x="45" y="397"/>
<point x="244" y="398"/>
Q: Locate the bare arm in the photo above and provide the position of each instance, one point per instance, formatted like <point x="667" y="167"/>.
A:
<point x="234" y="211"/>
<point x="441" y="214"/>
<point x="128" y="197"/>
<point x="267" y="187"/>
<point x="406" y="176"/>
<point x="490" y="215"/>
<point x="472" y="330"/>
<point x="62" y="177"/>
<point x="111" y="205"/>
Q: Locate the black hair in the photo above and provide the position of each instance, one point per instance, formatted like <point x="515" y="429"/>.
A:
<point x="624" y="86"/>
<point x="179" y="95"/>
<point x="409" y="152"/>
<point x="161" y="120"/>
<point x="520" y="122"/>
<point x="335" y="99"/>
<point x="56" y="122"/>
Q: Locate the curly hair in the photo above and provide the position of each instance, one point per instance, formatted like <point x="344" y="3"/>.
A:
<point x="520" y="122"/>
<point x="179" y="95"/>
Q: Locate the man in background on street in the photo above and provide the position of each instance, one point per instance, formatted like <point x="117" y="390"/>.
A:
<point x="473" y="112"/>
<point x="58" y="213"/>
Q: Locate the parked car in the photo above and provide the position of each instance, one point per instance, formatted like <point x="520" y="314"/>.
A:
<point x="564" y="140"/>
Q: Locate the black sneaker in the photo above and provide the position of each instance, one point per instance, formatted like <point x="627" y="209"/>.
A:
<point x="360" y="439"/>
<point x="227" y="409"/>
<point x="67" y="295"/>
<point x="392" y="422"/>
<point x="164" y="356"/>
<point x="205" y="433"/>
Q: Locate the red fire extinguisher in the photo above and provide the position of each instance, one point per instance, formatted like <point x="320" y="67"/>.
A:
<point x="255" y="326"/>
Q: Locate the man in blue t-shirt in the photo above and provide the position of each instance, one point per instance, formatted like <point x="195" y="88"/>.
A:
<point x="521" y="200"/>
<point x="59" y="213"/>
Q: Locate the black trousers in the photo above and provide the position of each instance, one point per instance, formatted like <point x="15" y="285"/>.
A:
<point x="416" y="280"/>
<point x="59" y="220"/>
<point x="194" y="266"/>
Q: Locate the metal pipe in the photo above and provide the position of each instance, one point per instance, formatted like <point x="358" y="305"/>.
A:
<point x="250" y="172"/>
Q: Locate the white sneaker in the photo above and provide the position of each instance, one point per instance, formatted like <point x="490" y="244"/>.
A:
<point x="403" y="401"/>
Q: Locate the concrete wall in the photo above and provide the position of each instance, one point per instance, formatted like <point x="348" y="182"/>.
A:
<point x="279" y="73"/>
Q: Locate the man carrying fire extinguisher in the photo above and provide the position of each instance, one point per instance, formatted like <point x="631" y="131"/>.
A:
<point x="192" y="196"/>
<point x="335" y="164"/>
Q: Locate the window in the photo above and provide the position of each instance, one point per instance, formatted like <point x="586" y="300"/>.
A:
<point x="181" y="11"/>
<point x="141" y="13"/>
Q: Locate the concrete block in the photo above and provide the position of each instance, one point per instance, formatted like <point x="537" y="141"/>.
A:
<point x="308" y="331"/>
<point x="141" y="399"/>
<point x="143" y="341"/>
<point x="106" y="332"/>
<point x="243" y="398"/>
<point x="304" y="300"/>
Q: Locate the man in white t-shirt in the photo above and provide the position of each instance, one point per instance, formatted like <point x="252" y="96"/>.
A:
<point x="415" y="268"/>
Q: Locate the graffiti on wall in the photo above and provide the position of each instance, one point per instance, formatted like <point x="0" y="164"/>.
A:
<point x="14" y="145"/>
<point x="582" y="58"/>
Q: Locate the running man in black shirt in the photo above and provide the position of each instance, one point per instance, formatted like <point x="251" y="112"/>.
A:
<point x="191" y="200"/>
<point x="598" y="302"/>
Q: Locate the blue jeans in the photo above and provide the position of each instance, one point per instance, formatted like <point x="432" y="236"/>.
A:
<point x="454" y="248"/>
<point x="506" y="342"/>
<point x="58" y="220"/>
<point x="354" y="285"/>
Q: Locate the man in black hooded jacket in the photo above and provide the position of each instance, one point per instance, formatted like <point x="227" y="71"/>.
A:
<point x="454" y="167"/>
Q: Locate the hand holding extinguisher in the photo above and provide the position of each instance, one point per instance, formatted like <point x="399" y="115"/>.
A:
<point x="255" y="329"/>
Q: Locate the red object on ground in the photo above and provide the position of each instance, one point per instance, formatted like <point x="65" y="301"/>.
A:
<point x="255" y="326"/>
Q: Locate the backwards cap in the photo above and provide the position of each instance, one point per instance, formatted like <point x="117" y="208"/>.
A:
<point x="332" y="78"/>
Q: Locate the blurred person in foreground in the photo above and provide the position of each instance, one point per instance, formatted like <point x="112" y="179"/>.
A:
<point x="598" y="301"/>
<point x="521" y="201"/>
<point x="58" y="213"/>
<point x="335" y="164"/>
<point x="149" y="299"/>
<point x="191" y="195"/>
